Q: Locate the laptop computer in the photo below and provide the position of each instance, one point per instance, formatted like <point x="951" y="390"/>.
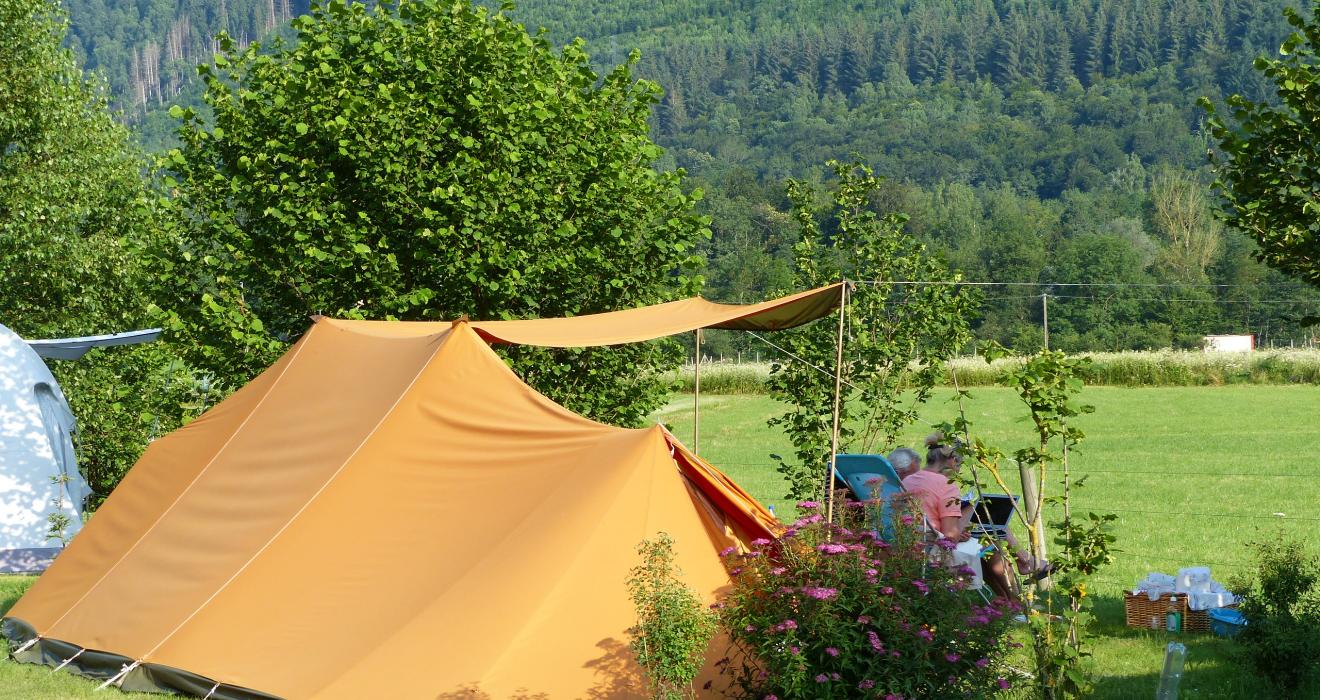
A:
<point x="992" y="515"/>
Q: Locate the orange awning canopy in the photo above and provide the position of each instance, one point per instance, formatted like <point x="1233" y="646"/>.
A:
<point x="660" y="320"/>
<point x="640" y="324"/>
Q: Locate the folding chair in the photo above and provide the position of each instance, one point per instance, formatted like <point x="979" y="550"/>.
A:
<point x="872" y="477"/>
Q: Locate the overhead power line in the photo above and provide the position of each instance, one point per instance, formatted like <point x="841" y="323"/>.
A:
<point x="964" y="283"/>
<point x="1110" y="298"/>
<point x="1203" y="301"/>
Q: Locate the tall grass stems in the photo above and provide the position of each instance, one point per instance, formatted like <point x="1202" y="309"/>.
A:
<point x="1131" y="369"/>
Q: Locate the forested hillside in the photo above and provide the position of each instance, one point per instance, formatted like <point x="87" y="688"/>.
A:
<point x="1051" y="141"/>
<point x="1032" y="140"/>
<point x="148" y="50"/>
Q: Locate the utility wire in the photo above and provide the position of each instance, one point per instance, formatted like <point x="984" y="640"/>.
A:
<point x="1203" y="301"/>
<point x="1115" y="298"/>
<point x="949" y="283"/>
<point x="1172" y="558"/>
<point x="1084" y="472"/>
<point x="762" y="338"/>
<point x="1170" y="513"/>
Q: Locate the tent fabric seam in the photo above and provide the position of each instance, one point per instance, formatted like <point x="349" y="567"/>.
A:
<point x="347" y="460"/>
<point x="187" y="488"/>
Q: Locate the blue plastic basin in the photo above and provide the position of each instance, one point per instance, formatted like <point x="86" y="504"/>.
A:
<point x="1226" y="622"/>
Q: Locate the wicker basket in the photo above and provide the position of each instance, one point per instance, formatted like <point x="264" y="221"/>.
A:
<point x="1141" y="609"/>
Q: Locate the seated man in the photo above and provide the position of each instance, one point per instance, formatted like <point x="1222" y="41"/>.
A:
<point x="906" y="461"/>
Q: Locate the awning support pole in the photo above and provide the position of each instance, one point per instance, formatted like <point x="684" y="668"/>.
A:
<point x="838" y="386"/>
<point x="696" y="398"/>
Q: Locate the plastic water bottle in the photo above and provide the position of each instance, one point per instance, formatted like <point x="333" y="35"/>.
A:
<point x="1173" y="620"/>
<point x="1175" y="655"/>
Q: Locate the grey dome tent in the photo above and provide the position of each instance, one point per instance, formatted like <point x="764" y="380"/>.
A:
<point x="39" y="474"/>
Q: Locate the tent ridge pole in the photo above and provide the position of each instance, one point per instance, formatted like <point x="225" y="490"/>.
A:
<point x="838" y="385"/>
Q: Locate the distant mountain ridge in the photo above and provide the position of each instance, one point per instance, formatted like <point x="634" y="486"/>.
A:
<point x="1029" y="140"/>
<point x="147" y="50"/>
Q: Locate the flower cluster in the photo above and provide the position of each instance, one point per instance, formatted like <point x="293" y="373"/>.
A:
<point x="833" y="612"/>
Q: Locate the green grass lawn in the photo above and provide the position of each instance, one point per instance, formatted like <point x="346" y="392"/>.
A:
<point x="30" y="682"/>
<point x="1193" y="473"/>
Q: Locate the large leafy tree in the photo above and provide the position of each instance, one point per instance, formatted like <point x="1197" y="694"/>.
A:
<point x="905" y="317"/>
<point x="74" y="208"/>
<point x="71" y="192"/>
<point x="425" y="160"/>
<point x="1269" y="169"/>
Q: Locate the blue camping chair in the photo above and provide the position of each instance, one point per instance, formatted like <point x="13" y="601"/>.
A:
<point x="871" y="477"/>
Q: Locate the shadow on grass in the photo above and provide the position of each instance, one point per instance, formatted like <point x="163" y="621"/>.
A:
<point x="1129" y="661"/>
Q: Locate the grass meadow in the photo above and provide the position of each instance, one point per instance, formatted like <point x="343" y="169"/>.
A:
<point x="1194" y="474"/>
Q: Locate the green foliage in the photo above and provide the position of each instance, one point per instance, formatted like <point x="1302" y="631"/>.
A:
<point x="72" y="199"/>
<point x="1282" y="605"/>
<point x="1131" y="369"/>
<point x="124" y="398"/>
<point x="896" y="336"/>
<point x="58" y="521"/>
<point x="673" y="629"/>
<point x="74" y="213"/>
<point x="1268" y="167"/>
<point x="722" y="379"/>
<point x="830" y="612"/>
<point x="1048" y="383"/>
<point x="424" y="160"/>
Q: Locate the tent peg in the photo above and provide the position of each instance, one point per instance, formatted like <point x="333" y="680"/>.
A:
<point x="119" y="677"/>
<point x="211" y="692"/>
<point x="26" y="646"/>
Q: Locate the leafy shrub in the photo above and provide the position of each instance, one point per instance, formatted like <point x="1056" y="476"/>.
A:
<point x="673" y="629"/>
<point x="1282" y="605"/>
<point x="831" y="612"/>
<point x="124" y="398"/>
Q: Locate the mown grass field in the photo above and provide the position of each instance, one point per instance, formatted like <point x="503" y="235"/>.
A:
<point x="1194" y="473"/>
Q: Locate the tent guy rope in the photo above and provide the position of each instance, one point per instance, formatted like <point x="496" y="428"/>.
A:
<point x="66" y="661"/>
<point x="119" y="677"/>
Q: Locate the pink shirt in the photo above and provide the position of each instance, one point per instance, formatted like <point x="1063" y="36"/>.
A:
<point x="937" y="497"/>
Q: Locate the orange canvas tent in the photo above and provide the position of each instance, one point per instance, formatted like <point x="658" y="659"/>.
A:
<point x="387" y="511"/>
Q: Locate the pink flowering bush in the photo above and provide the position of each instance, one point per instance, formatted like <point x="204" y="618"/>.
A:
<point x="831" y="612"/>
